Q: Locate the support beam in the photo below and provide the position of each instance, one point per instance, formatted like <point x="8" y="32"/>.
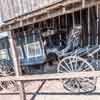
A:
<point x="73" y="18"/>
<point x="22" y="90"/>
<point x="83" y="3"/>
<point x="88" y="19"/>
<point x="14" y="55"/>
<point x="16" y="64"/>
<point x="97" y="12"/>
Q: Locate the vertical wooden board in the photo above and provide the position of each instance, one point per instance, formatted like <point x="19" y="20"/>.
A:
<point x="16" y="7"/>
<point x="1" y="13"/>
<point x="4" y="13"/>
<point x="26" y="6"/>
<point x="98" y="24"/>
<point x="7" y="8"/>
<point x="21" y="8"/>
<point x="35" y="4"/>
<point x="44" y="3"/>
<point x="13" y="8"/>
<point x="30" y="5"/>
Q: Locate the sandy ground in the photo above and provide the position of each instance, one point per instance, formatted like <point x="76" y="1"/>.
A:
<point x="52" y="90"/>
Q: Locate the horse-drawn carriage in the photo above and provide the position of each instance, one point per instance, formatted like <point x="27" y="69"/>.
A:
<point x="70" y="56"/>
<point x="73" y="58"/>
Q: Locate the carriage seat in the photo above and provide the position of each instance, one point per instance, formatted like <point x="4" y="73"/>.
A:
<point x="73" y="40"/>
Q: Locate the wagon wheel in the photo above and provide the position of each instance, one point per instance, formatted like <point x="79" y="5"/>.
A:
<point x="77" y="64"/>
<point x="6" y="85"/>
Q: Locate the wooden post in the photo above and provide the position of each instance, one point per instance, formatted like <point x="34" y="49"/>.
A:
<point x="81" y="26"/>
<point x="22" y="90"/>
<point x="97" y="10"/>
<point x="66" y="25"/>
<point x="83" y="3"/>
<point x="16" y="64"/>
<point x="97" y="22"/>
<point x="88" y="27"/>
<point x="73" y="19"/>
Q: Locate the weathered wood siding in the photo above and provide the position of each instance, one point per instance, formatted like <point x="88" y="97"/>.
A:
<point x="12" y="8"/>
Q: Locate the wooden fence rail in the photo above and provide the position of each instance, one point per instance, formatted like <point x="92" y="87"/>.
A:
<point x="54" y="76"/>
<point x="51" y="76"/>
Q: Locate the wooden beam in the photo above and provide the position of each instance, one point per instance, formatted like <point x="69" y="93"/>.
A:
<point x="52" y="76"/>
<point x="83" y="3"/>
<point x="16" y="64"/>
<point x="97" y="22"/>
<point x="22" y="90"/>
<point x="14" y="54"/>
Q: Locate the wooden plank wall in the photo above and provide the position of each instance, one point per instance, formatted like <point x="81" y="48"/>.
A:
<point x="12" y="8"/>
<point x="45" y="13"/>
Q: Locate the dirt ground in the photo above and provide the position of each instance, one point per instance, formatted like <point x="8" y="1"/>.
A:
<point x="52" y="90"/>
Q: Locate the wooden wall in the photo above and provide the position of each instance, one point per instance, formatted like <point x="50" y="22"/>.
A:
<point x="11" y="8"/>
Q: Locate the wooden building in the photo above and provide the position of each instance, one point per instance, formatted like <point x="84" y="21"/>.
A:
<point x="18" y="16"/>
<point x="21" y="15"/>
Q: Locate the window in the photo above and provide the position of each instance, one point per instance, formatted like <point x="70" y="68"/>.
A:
<point x="33" y="49"/>
<point x="4" y="54"/>
<point x="20" y="52"/>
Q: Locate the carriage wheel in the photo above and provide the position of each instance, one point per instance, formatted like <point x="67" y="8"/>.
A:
<point x="77" y="64"/>
<point x="7" y="85"/>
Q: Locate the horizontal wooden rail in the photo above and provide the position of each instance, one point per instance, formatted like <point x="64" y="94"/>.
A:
<point x="51" y="76"/>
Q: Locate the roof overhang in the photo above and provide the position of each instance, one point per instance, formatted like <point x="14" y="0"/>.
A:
<point x="64" y="7"/>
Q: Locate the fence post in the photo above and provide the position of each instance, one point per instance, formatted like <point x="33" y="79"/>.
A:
<point x="16" y="64"/>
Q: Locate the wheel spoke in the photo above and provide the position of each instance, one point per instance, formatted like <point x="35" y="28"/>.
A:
<point x="78" y="86"/>
<point x="76" y="63"/>
<point x="84" y="89"/>
<point x="67" y="66"/>
<point x="1" y="86"/>
<point x="87" y="87"/>
<point x="60" y="71"/>
<point x="87" y="80"/>
<point x="70" y="62"/>
<point x="64" y="68"/>
<point x="86" y="69"/>
<point x="68" y="84"/>
<point x="80" y="68"/>
<point x="72" y="85"/>
<point x="4" y="85"/>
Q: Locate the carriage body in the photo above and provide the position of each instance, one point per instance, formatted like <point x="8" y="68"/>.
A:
<point x="73" y="58"/>
<point x="32" y="50"/>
